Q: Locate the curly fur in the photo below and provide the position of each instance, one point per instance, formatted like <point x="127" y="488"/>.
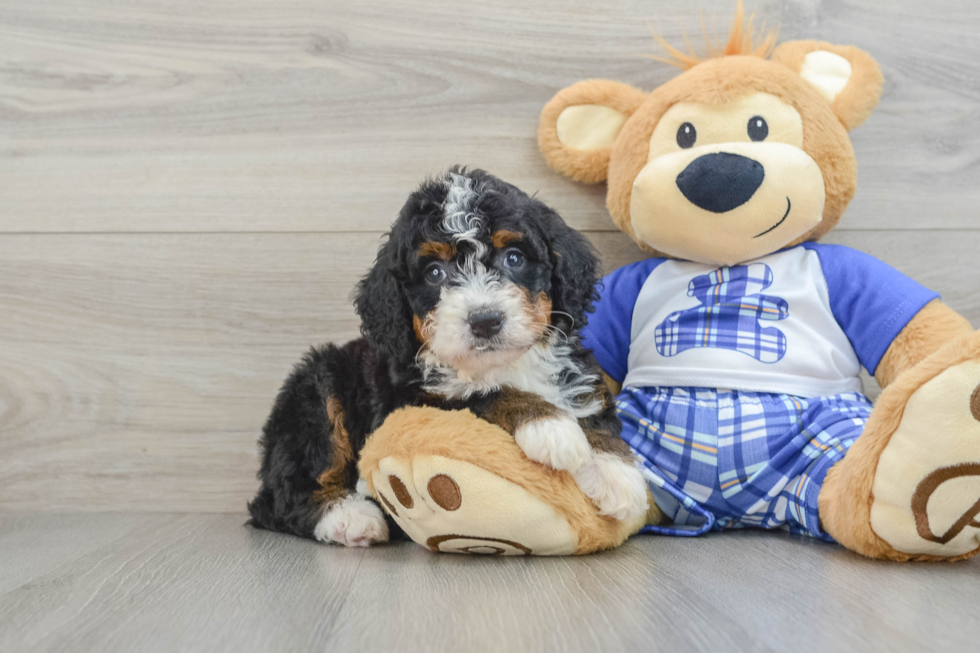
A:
<point x="338" y="395"/>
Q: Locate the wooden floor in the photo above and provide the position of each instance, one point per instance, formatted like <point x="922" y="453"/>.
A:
<point x="189" y="191"/>
<point x="207" y="583"/>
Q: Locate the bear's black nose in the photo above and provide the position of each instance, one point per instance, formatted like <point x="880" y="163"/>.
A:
<point x="721" y="181"/>
<point x="485" y="324"/>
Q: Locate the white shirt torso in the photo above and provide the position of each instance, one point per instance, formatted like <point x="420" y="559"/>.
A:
<point x="763" y="326"/>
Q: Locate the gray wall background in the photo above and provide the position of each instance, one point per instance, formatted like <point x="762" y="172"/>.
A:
<point x="189" y="191"/>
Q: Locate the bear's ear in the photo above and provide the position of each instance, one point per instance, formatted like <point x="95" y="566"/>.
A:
<point x="580" y="124"/>
<point x="847" y="77"/>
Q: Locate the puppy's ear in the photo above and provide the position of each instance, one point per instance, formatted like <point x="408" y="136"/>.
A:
<point x="845" y="76"/>
<point x="574" y="271"/>
<point x="386" y="317"/>
<point x="580" y="124"/>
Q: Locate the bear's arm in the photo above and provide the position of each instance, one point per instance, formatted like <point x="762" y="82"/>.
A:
<point x="892" y="321"/>
<point x="609" y="329"/>
<point x="931" y="328"/>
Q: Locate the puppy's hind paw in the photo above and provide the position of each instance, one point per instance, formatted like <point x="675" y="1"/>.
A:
<point x="557" y="442"/>
<point x="615" y="486"/>
<point x="354" y="521"/>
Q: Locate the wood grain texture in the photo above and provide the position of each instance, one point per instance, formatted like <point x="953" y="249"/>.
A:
<point x="177" y="583"/>
<point x="206" y="583"/>
<point x="32" y="547"/>
<point x="138" y="369"/>
<point x="320" y="115"/>
<point x="189" y="193"/>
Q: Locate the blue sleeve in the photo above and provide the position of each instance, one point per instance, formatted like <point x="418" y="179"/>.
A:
<point x="608" y="331"/>
<point x="871" y="300"/>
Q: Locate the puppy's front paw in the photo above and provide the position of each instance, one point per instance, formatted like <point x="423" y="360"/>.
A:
<point x="614" y="485"/>
<point x="355" y="521"/>
<point x="557" y="442"/>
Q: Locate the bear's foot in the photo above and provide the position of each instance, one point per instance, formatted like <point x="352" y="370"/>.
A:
<point x="914" y="474"/>
<point x="452" y="506"/>
<point x="927" y="485"/>
<point x="455" y="483"/>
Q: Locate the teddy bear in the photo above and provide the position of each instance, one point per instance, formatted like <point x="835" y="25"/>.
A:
<point x="735" y="349"/>
<point x="737" y="346"/>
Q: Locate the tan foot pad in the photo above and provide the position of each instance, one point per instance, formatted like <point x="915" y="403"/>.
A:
<point x="927" y="483"/>
<point x="455" y="483"/>
<point x="494" y="517"/>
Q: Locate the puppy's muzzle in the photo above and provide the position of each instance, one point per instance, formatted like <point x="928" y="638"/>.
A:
<point x="485" y="324"/>
<point x="721" y="181"/>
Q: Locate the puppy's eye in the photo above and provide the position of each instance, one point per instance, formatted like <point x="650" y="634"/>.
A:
<point x="687" y="135"/>
<point x="514" y="259"/>
<point x="758" y="128"/>
<point x="435" y="274"/>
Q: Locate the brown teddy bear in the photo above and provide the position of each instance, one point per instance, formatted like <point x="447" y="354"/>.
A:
<point x="739" y="344"/>
<point x="455" y="483"/>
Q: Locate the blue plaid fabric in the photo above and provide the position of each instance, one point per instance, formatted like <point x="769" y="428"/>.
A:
<point x="730" y="316"/>
<point x="721" y="459"/>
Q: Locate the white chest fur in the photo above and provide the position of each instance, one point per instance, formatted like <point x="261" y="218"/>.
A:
<point x="546" y="370"/>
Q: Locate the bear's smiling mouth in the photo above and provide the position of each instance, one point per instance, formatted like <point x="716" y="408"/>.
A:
<point x="789" y="206"/>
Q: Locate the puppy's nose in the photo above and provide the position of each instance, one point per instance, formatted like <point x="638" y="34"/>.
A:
<point x="721" y="181"/>
<point x="485" y="324"/>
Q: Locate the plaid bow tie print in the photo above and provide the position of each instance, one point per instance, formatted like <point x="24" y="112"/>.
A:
<point x="730" y="316"/>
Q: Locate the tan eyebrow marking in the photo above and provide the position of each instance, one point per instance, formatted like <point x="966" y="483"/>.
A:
<point x="445" y="251"/>
<point x="502" y="238"/>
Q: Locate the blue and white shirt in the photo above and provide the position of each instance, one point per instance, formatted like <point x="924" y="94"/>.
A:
<point x="801" y="321"/>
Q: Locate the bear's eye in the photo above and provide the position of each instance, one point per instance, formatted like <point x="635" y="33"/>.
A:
<point x="758" y="128"/>
<point x="686" y="135"/>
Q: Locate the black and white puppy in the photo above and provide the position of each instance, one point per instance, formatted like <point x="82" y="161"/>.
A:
<point x="475" y="302"/>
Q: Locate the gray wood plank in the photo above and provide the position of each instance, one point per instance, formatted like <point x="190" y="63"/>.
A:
<point x="321" y="115"/>
<point x="31" y="546"/>
<point x="615" y="601"/>
<point x="206" y="583"/>
<point x="139" y="370"/>
<point x="136" y="370"/>
<point x="798" y="594"/>
<point x="181" y="583"/>
<point x="735" y="591"/>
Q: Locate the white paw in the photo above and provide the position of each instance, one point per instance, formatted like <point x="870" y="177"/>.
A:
<point x="355" y="521"/>
<point x="614" y="485"/>
<point x="557" y="442"/>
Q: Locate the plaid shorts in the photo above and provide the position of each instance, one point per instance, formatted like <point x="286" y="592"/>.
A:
<point x="723" y="459"/>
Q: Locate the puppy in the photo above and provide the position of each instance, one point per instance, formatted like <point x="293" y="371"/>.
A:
<point x="475" y="301"/>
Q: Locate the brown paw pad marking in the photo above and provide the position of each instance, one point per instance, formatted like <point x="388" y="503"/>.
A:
<point x="480" y="549"/>
<point x="401" y="492"/>
<point x="445" y="492"/>
<point x="975" y="404"/>
<point x="928" y="486"/>
<point x="391" y="508"/>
